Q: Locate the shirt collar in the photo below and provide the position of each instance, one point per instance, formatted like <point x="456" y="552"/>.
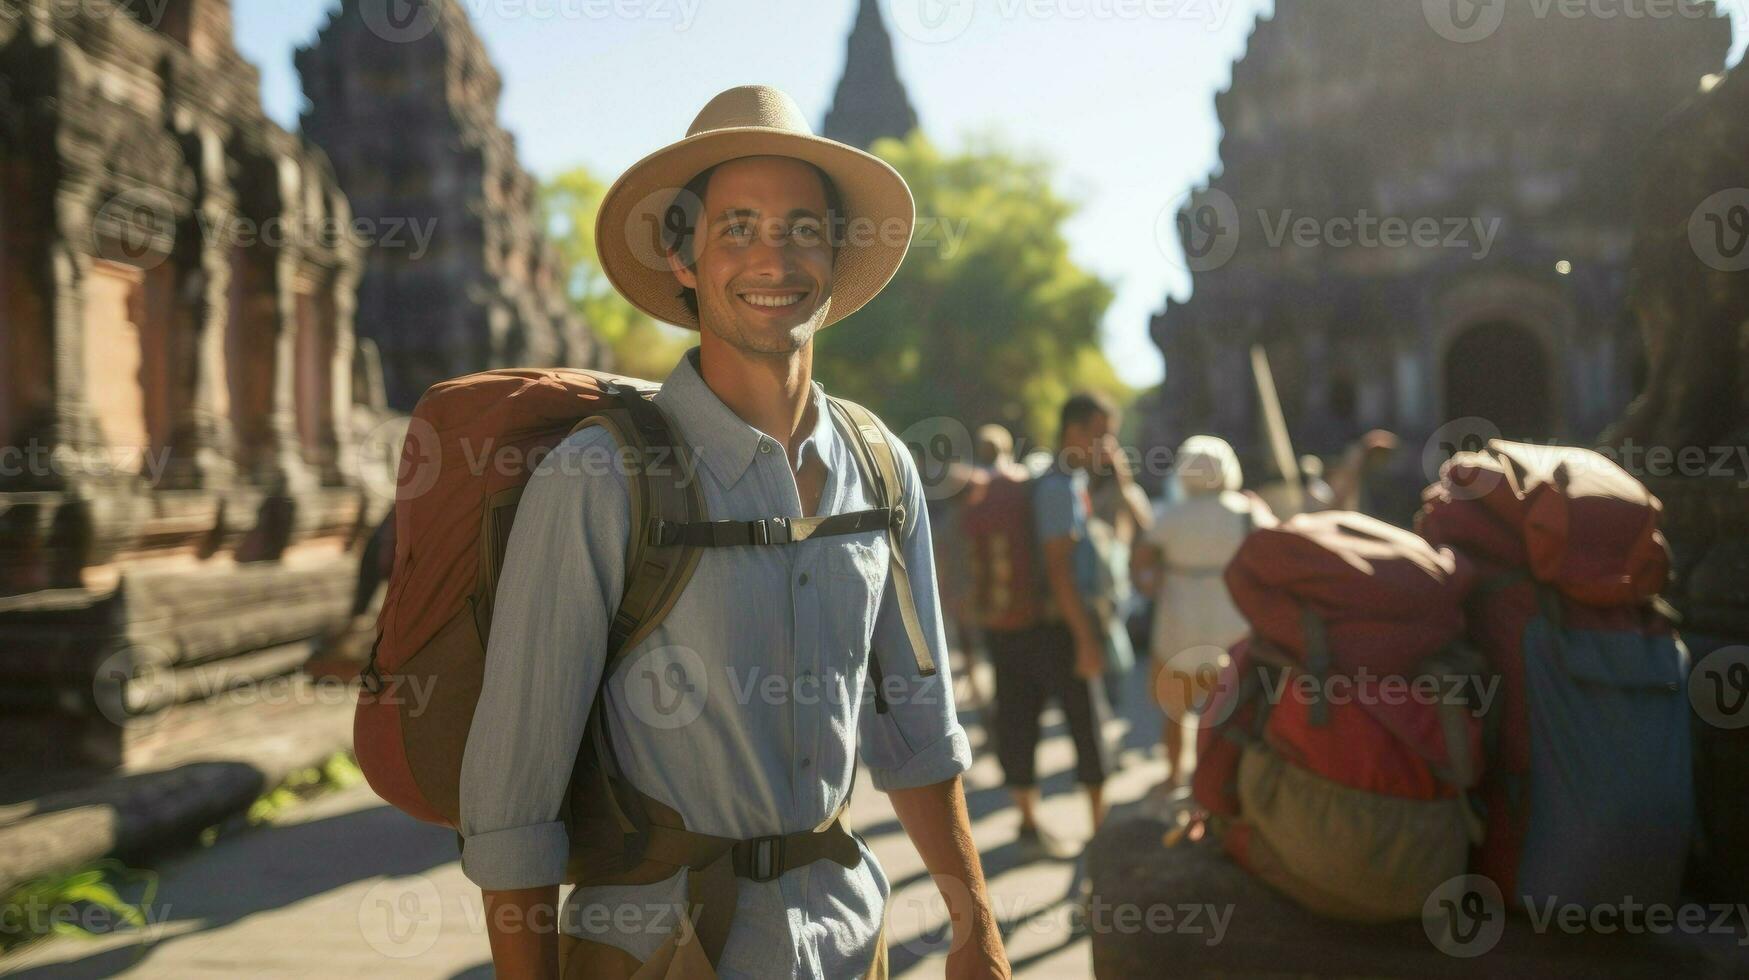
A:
<point x="727" y="443"/>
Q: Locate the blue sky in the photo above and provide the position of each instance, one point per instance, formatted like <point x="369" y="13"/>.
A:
<point x="1119" y="93"/>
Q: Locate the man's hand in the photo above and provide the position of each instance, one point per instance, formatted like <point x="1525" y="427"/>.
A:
<point x="980" y="958"/>
<point x="1089" y="657"/>
<point x="935" y="818"/>
<point x="1111" y="457"/>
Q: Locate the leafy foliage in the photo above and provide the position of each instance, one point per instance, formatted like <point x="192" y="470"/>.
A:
<point x="641" y="347"/>
<point x="989" y="319"/>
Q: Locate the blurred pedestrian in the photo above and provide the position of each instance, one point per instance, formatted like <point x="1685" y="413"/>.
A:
<point x="1182" y="560"/>
<point x="1056" y="649"/>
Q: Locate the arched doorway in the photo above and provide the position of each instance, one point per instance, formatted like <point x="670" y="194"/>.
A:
<point x="1498" y="370"/>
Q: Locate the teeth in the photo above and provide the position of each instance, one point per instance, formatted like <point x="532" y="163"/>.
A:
<point x="773" y="301"/>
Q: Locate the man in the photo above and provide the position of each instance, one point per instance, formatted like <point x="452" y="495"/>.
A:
<point x="777" y="234"/>
<point x="1064" y="657"/>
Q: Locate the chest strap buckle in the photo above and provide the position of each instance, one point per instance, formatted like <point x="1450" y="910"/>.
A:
<point x="765" y="858"/>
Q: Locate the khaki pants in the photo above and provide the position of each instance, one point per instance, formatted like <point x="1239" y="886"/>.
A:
<point x="583" y="959"/>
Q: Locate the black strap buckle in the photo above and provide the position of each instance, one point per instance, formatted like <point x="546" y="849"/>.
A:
<point x="663" y="533"/>
<point x="765" y="860"/>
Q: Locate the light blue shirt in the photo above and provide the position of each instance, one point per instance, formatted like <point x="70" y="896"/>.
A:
<point x="740" y="711"/>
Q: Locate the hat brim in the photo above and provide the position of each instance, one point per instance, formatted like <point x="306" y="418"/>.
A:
<point x="628" y="229"/>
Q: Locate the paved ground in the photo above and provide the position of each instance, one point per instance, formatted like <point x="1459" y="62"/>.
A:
<point x="346" y="887"/>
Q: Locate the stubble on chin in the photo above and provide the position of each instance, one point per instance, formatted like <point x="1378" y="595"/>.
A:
<point x="738" y="334"/>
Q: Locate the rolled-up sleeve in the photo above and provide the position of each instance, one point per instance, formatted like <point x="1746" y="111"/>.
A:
<point x="919" y="739"/>
<point x="563" y="574"/>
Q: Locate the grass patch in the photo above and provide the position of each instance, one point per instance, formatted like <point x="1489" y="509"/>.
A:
<point x="84" y="903"/>
<point x="337" y="772"/>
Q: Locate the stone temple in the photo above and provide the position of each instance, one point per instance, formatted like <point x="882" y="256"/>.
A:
<point x="408" y="112"/>
<point x="180" y="494"/>
<point x="870" y="102"/>
<point x="1517" y="152"/>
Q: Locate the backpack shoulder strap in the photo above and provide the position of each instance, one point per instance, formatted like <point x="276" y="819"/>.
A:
<point x="660" y="488"/>
<point x="876" y="459"/>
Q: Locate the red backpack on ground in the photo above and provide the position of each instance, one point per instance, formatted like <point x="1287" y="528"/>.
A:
<point x="1330" y="777"/>
<point x="1008" y="591"/>
<point x="1589" y="795"/>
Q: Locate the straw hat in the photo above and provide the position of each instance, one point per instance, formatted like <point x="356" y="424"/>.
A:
<point x="752" y="120"/>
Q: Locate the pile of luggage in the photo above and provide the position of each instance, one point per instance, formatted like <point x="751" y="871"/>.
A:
<point x="1501" y="693"/>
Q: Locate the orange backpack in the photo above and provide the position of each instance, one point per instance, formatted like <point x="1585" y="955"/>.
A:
<point x="472" y="444"/>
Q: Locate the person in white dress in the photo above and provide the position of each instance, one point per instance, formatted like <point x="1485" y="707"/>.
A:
<point x="1194" y="535"/>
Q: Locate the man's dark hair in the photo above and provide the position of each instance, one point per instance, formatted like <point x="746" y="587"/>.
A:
<point x="680" y="222"/>
<point x="1083" y="406"/>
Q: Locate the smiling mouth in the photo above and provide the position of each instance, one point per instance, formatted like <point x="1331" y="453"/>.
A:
<point x="772" y="301"/>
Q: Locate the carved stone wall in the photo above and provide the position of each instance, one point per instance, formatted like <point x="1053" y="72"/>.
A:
<point x="409" y="115"/>
<point x="1517" y="151"/>
<point x="179" y="486"/>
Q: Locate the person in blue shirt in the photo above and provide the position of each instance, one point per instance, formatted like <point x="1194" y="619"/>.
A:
<point x="1064" y="657"/>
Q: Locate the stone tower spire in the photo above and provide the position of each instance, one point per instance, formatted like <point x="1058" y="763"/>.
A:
<point x="870" y="102"/>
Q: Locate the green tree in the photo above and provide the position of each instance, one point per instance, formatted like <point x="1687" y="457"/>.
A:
<point x="641" y="347"/>
<point x="989" y="319"/>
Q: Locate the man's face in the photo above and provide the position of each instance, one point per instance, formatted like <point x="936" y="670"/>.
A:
<point x="1085" y="442"/>
<point x="762" y="261"/>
